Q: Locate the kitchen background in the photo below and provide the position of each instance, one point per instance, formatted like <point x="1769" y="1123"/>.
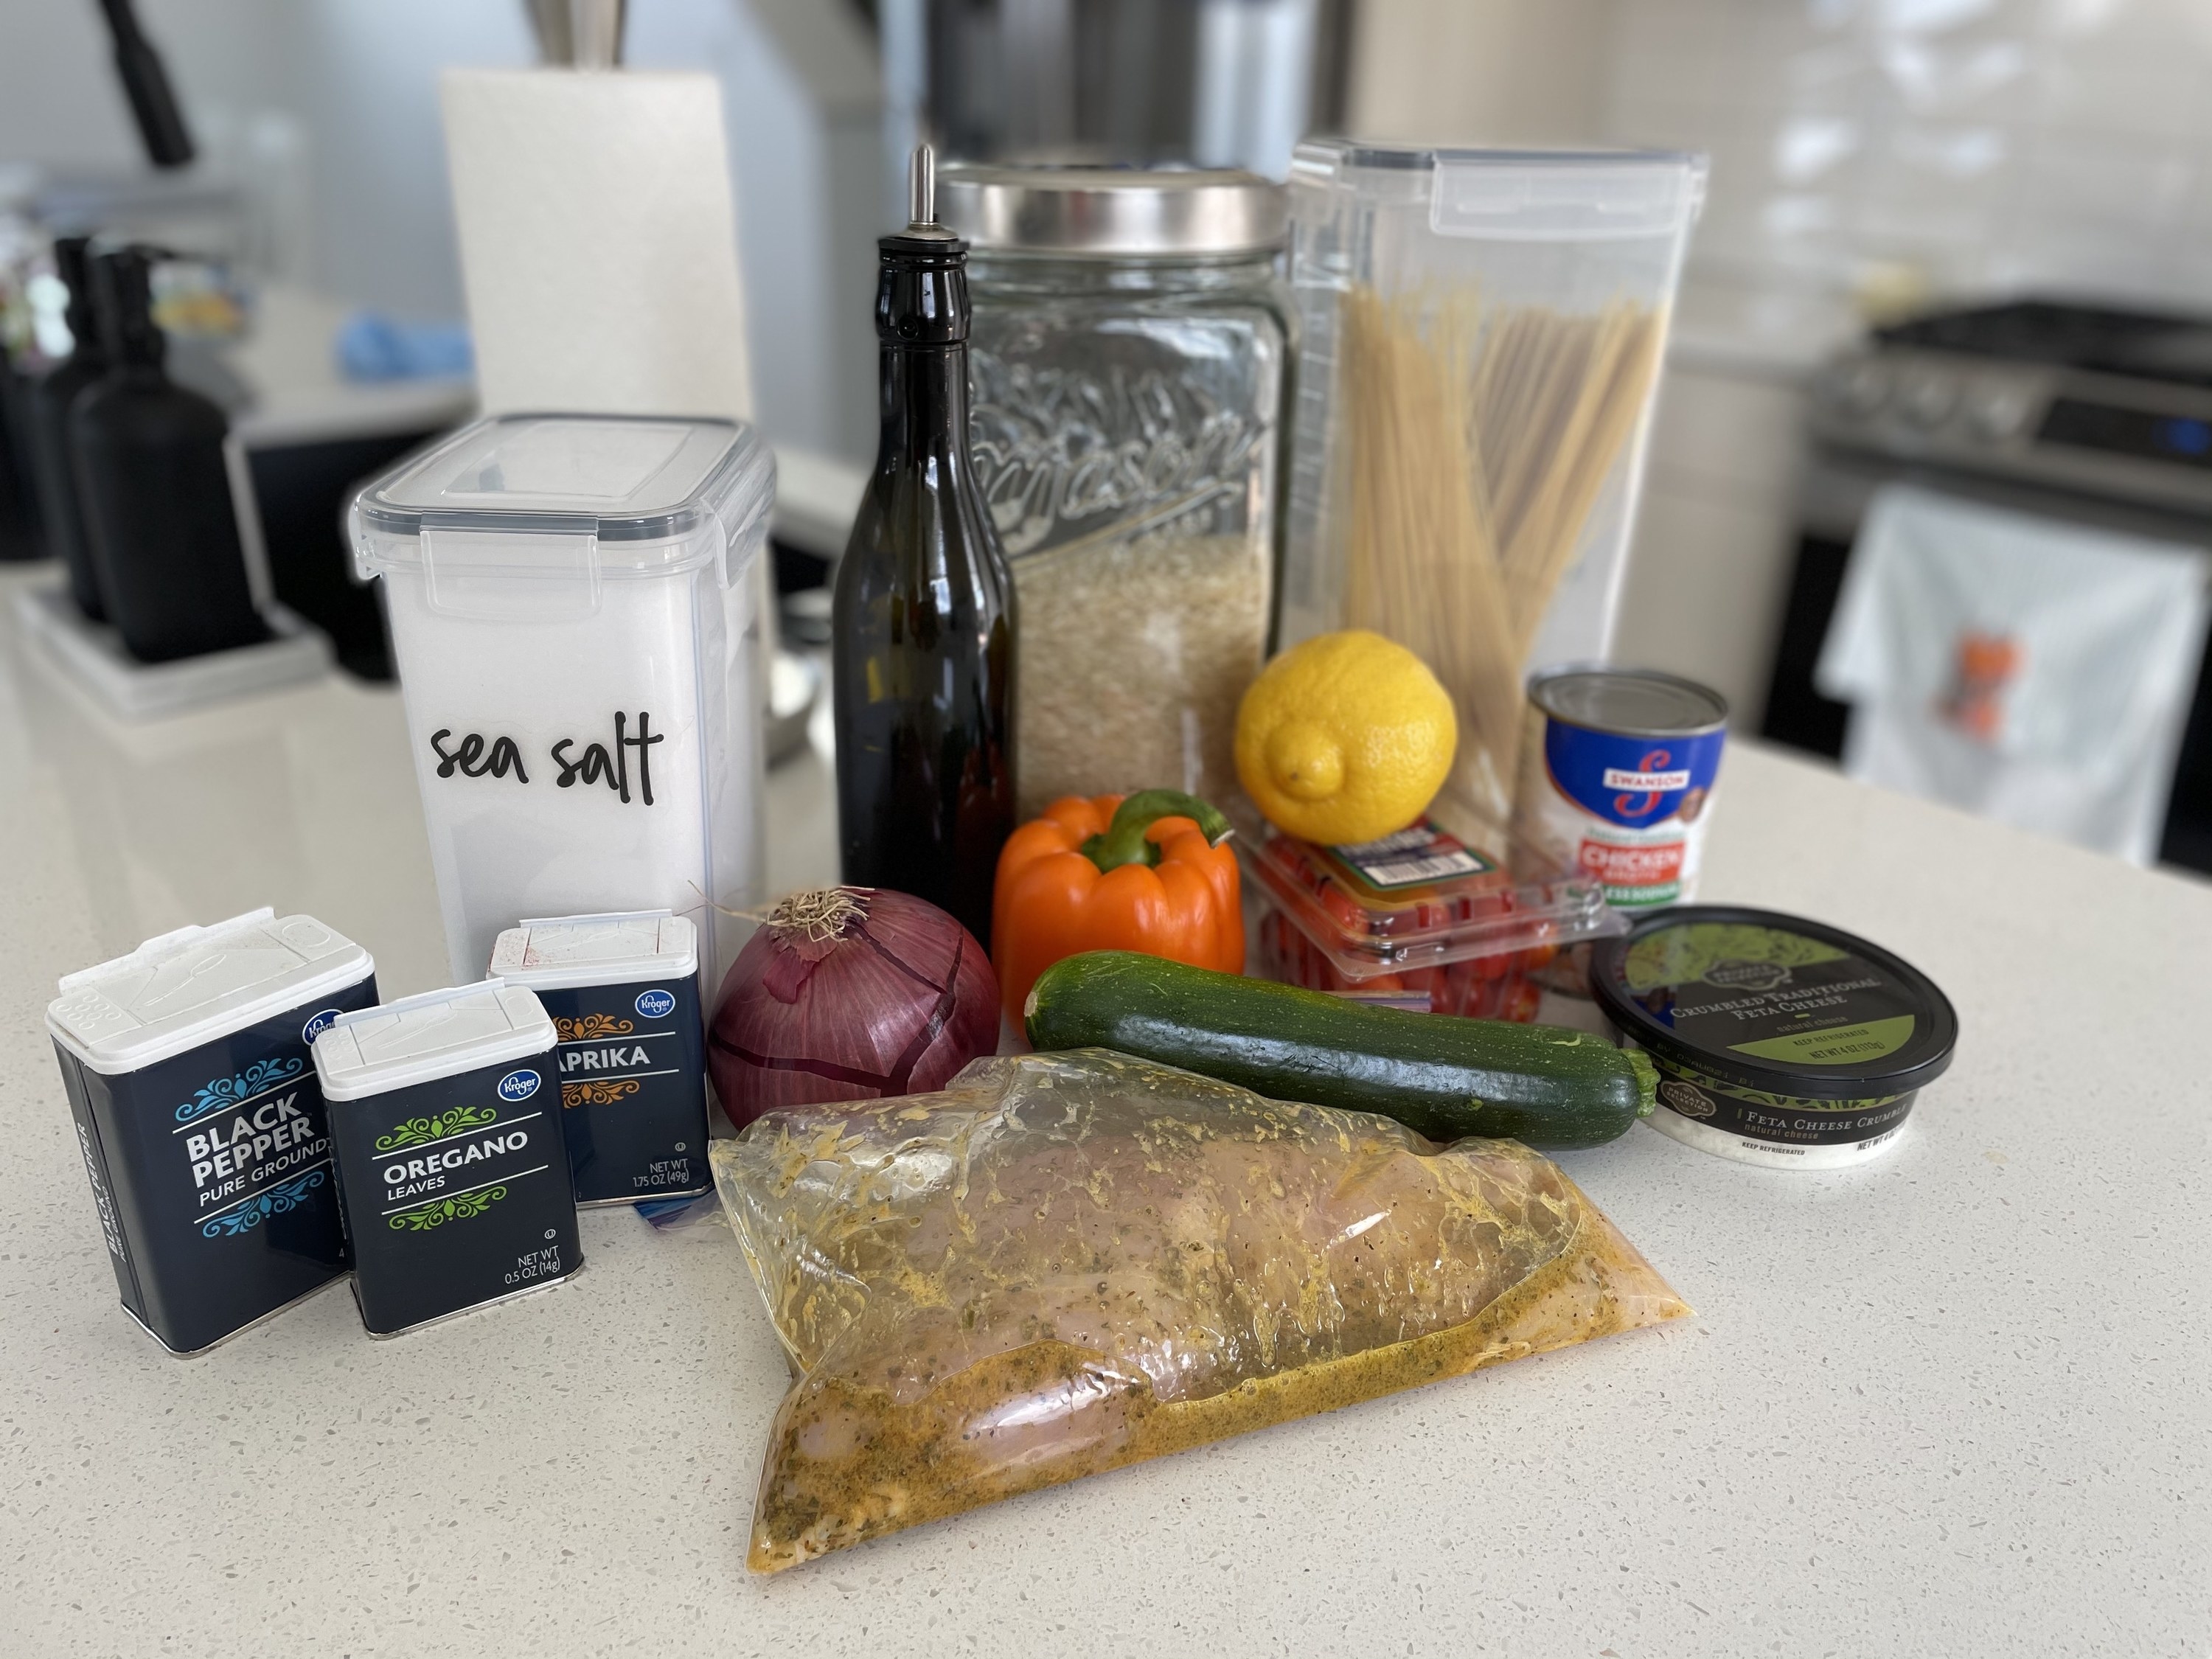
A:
<point x="1871" y="159"/>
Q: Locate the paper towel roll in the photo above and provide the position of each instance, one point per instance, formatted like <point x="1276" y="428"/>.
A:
<point x="599" y="242"/>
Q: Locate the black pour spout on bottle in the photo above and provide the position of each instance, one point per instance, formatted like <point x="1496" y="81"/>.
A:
<point x="923" y="620"/>
<point x="153" y="487"/>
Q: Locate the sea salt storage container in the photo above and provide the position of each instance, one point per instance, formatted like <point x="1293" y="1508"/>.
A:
<point x="578" y="643"/>
<point x="201" y="1120"/>
<point x="622" y="992"/>
<point x="446" y="1122"/>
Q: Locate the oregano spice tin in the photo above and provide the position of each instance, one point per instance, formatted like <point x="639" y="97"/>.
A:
<point x="445" y="1114"/>
<point x="1778" y="1041"/>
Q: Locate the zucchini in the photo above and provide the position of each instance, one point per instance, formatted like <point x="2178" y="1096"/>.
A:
<point x="1440" y="1074"/>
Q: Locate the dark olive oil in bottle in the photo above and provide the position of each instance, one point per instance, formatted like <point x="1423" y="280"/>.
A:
<point x="924" y="615"/>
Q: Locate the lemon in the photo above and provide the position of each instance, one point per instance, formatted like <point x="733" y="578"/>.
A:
<point x="1347" y="737"/>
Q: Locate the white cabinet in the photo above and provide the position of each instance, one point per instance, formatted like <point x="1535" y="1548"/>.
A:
<point x="1716" y="538"/>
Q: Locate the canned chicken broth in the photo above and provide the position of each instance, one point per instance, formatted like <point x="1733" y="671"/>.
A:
<point x="1616" y="774"/>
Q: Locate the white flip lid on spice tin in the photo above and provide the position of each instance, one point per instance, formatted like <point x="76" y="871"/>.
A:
<point x="420" y="1039"/>
<point x="192" y="985"/>
<point x="558" y="953"/>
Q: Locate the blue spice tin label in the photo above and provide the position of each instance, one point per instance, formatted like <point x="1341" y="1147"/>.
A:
<point x="456" y="1193"/>
<point x="633" y="1073"/>
<point x="212" y="1176"/>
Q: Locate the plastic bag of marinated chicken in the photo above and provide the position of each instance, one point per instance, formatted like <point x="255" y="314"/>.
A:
<point x="1065" y="1263"/>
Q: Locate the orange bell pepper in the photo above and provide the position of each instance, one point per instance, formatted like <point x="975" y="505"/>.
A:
<point x="1151" y="872"/>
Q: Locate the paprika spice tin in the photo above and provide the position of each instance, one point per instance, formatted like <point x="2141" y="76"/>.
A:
<point x="1617" y="772"/>
<point x="1778" y="1041"/>
<point x="622" y="992"/>
<point x="445" y="1118"/>
<point x="201" y="1121"/>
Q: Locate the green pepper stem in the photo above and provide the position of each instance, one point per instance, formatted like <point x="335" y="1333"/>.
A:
<point x="1123" y="841"/>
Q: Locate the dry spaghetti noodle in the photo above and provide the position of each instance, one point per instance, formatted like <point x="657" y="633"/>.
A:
<point x="1480" y="442"/>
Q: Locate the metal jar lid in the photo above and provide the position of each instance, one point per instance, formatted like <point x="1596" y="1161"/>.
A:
<point x="1639" y="703"/>
<point x="1087" y="212"/>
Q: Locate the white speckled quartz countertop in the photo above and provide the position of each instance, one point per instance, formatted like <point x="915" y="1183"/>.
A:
<point x="1956" y="1402"/>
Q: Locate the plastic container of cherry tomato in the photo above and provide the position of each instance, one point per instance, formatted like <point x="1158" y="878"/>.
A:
<point x="1419" y="918"/>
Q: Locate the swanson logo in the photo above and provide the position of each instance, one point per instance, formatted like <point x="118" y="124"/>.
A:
<point x="655" y="1005"/>
<point x="257" y="1078"/>
<point x="519" y="1086"/>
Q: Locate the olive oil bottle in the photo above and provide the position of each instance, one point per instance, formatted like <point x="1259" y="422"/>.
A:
<point x="923" y="622"/>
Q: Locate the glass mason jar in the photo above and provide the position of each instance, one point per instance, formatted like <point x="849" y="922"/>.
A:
<point x="1130" y="360"/>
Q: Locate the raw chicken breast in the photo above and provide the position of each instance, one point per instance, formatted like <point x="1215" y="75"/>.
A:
<point x="1068" y="1262"/>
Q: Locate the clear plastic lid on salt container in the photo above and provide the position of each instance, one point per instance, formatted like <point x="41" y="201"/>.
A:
<point x="1421" y="898"/>
<point x="579" y="495"/>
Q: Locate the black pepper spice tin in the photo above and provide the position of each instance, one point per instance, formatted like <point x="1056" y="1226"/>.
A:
<point x="623" y="993"/>
<point x="201" y="1120"/>
<point x="445" y="1115"/>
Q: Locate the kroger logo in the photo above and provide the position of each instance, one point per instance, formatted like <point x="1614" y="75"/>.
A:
<point x="655" y="1005"/>
<point x="318" y="1024"/>
<point x="517" y="1085"/>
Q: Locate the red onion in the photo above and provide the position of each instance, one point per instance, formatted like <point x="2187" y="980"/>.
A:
<point x="849" y="994"/>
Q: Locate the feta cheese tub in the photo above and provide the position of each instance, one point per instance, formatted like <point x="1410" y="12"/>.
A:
<point x="1778" y="1041"/>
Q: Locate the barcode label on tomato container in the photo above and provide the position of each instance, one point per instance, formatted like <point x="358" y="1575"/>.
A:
<point x="1413" y="857"/>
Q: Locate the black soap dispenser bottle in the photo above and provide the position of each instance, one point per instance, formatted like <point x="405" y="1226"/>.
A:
<point x="155" y="491"/>
<point x="48" y="401"/>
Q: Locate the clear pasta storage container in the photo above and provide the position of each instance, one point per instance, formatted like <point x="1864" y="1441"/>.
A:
<point x="1480" y="334"/>
<point x="1130" y="352"/>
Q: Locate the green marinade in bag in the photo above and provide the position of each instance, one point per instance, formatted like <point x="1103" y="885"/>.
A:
<point x="1065" y="1263"/>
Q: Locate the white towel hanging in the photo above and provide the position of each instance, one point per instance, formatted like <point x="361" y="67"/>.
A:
<point x="2030" y="670"/>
